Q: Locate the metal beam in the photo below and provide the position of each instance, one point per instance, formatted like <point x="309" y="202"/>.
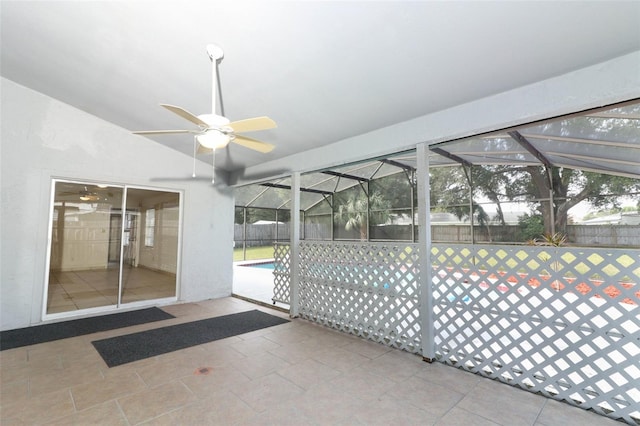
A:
<point x="344" y="175"/>
<point x="450" y="156"/>
<point x="408" y="170"/>
<point x="277" y="185"/>
<point x="524" y="142"/>
<point x="580" y="140"/>
<point x="398" y="164"/>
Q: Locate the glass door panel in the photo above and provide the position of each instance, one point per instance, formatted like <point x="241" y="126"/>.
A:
<point x="84" y="260"/>
<point x="150" y="245"/>
<point x="111" y="245"/>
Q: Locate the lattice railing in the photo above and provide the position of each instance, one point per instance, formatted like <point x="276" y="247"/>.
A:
<point x="281" y="273"/>
<point x="366" y="289"/>
<point x="564" y="322"/>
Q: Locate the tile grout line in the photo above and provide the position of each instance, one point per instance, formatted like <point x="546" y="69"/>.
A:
<point x="546" y="400"/>
<point x="124" y="416"/>
<point x="73" y="401"/>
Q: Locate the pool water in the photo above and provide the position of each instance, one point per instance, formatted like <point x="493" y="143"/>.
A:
<point x="268" y="265"/>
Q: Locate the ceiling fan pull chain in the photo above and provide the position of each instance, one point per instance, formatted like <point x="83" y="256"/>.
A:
<point x="195" y="145"/>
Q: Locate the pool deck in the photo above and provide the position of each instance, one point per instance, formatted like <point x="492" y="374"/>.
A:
<point x="254" y="283"/>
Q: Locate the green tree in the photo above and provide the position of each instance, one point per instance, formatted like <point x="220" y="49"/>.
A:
<point x="449" y="190"/>
<point x="531" y="226"/>
<point x="537" y="185"/>
<point x="566" y="186"/>
<point x="570" y="187"/>
<point x="492" y="182"/>
<point x="353" y="206"/>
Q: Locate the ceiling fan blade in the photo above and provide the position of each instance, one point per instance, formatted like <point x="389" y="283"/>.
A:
<point x="185" y="114"/>
<point x="253" y="124"/>
<point x="253" y="144"/>
<point x="161" y="132"/>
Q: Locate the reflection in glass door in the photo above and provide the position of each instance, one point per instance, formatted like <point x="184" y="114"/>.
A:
<point x="100" y="257"/>
<point x="150" y="255"/>
<point x="84" y="261"/>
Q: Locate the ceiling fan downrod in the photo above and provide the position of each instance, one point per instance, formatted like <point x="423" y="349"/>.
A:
<point x="213" y="165"/>
<point x="216" y="54"/>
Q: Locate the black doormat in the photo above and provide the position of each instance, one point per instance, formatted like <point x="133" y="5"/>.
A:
<point x="133" y="347"/>
<point x="62" y="330"/>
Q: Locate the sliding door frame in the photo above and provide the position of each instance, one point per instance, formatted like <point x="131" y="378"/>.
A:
<point x="118" y="306"/>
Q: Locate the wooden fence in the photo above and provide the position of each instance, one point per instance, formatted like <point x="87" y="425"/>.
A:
<point x="582" y="235"/>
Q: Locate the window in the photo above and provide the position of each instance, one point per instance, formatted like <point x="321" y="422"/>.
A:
<point x="149" y="227"/>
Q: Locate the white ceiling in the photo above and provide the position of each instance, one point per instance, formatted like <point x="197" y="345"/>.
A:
<point x="324" y="71"/>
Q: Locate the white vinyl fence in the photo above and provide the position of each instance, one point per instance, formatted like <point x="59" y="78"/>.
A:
<point x="562" y="322"/>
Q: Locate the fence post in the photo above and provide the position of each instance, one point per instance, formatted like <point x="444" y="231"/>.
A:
<point x="427" y="327"/>
<point x="244" y="233"/>
<point x="294" y="245"/>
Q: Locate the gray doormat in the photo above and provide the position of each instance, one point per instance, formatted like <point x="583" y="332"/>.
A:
<point x="19" y="337"/>
<point x="145" y="344"/>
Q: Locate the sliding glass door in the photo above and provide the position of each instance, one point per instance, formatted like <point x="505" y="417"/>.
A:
<point x="111" y="245"/>
<point x="150" y="245"/>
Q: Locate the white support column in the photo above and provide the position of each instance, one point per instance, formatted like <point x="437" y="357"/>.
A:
<point x="294" y="246"/>
<point x="427" y="328"/>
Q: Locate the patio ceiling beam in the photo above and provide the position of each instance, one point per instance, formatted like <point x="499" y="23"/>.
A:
<point x="277" y="185"/>
<point x="524" y="142"/>
<point x="450" y="156"/>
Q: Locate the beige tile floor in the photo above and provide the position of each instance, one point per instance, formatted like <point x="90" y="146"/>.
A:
<point x="74" y="290"/>
<point x="297" y="373"/>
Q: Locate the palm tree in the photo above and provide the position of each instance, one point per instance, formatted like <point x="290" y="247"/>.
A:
<point x="354" y="212"/>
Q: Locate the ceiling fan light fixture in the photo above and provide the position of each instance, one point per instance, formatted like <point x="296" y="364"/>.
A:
<point x="213" y="139"/>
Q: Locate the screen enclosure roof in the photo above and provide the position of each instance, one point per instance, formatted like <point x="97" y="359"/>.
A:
<point x="603" y="141"/>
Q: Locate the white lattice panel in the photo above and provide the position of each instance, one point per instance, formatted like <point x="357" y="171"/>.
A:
<point x="564" y="322"/>
<point x="366" y="289"/>
<point x="281" y="273"/>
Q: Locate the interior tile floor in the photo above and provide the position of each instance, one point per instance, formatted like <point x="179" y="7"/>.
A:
<point x="297" y="373"/>
<point x="83" y="289"/>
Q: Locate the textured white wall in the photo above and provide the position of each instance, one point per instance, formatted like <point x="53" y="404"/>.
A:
<point x="44" y="138"/>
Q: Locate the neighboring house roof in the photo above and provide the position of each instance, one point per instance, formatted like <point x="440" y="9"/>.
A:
<point x="625" y="218"/>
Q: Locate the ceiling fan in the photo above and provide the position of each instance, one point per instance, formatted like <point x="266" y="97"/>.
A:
<point x="86" y="195"/>
<point x="215" y="131"/>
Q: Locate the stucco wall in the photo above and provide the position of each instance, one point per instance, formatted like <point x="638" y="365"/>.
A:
<point x="43" y="138"/>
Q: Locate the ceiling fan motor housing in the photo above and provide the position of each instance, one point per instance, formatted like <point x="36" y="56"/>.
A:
<point x="214" y="120"/>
